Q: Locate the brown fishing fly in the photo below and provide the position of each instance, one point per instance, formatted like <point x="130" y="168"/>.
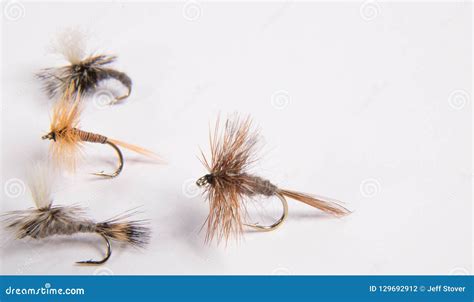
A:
<point x="228" y="184"/>
<point x="48" y="220"/>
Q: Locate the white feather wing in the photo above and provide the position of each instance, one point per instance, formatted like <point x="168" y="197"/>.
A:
<point x="40" y="180"/>
<point x="71" y="43"/>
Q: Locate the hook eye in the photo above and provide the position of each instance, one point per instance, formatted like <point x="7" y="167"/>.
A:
<point x="50" y="135"/>
<point x="201" y="181"/>
<point x="206" y="179"/>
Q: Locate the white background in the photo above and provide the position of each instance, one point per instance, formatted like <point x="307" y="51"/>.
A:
<point x="369" y="103"/>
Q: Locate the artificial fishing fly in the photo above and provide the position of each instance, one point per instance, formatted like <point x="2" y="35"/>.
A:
<point x="84" y="72"/>
<point x="67" y="137"/>
<point x="47" y="220"/>
<point x="228" y="183"/>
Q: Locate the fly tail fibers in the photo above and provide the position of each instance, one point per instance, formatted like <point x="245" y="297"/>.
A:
<point x="326" y="206"/>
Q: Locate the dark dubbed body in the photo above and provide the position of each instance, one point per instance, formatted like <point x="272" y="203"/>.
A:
<point x="84" y="76"/>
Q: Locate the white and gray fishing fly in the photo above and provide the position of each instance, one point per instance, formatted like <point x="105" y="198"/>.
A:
<point x="48" y="220"/>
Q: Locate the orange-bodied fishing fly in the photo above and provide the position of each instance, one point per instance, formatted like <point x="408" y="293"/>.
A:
<point x="68" y="138"/>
